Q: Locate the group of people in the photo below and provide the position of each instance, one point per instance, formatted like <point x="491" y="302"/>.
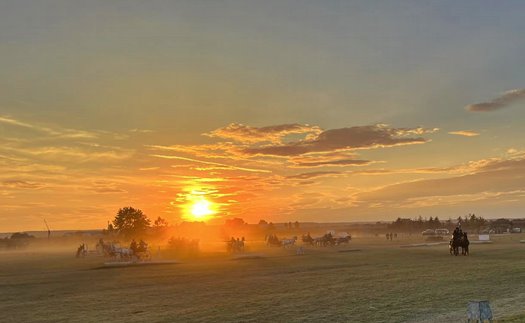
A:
<point x="138" y="247"/>
<point x="272" y="240"/>
<point x="391" y="236"/>
<point x="236" y="245"/>
<point x="459" y="234"/>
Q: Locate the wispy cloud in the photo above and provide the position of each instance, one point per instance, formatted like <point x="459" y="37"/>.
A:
<point x="311" y="175"/>
<point x="500" y="102"/>
<point x="62" y="153"/>
<point x="55" y="132"/>
<point x="465" y="133"/>
<point x="22" y="184"/>
<point x="105" y="187"/>
<point x="327" y="159"/>
<point x="212" y="163"/>
<point x="141" y="130"/>
<point x="248" y="134"/>
<point x="217" y="150"/>
<point x="489" y="175"/>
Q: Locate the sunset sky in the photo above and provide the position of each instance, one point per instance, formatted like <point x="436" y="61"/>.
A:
<point x="278" y="110"/>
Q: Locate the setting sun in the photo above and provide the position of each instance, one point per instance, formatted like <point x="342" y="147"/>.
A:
<point x="201" y="209"/>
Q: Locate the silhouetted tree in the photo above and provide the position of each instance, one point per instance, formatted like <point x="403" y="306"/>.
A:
<point x="296" y="224"/>
<point x="263" y="222"/>
<point x="160" y="223"/>
<point x="131" y="222"/>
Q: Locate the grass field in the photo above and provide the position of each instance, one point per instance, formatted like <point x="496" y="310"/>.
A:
<point x="380" y="283"/>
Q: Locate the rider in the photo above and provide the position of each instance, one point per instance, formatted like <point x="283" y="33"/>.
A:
<point x="133" y="246"/>
<point x="143" y="246"/>
<point x="455" y="234"/>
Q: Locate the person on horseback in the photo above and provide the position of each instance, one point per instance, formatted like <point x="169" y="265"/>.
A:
<point x="143" y="246"/>
<point x="133" y="246"/>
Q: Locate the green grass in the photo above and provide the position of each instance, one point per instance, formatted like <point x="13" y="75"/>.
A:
<point x="380" y="283"/>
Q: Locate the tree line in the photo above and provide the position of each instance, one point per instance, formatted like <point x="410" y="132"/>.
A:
<point x="468" y="222"/>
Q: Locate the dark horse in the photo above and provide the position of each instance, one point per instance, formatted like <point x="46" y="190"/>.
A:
<point x="273" y="241"/>
<point x="459" y="242"/>
<point x="307" y="239"/>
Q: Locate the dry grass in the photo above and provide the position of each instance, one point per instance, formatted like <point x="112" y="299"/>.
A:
<point x="380" y="283"/>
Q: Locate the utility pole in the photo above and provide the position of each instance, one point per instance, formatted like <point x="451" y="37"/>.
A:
<point x="48" y="231"/>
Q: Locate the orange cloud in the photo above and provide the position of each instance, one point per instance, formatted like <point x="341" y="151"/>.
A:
<point x="248" y="134"/>
<point x="465" y="133"/>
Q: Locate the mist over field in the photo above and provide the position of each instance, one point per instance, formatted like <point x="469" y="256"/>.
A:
<point x="255" y="161"/>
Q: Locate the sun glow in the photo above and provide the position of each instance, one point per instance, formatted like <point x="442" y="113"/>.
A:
<point x="201" y="209"/>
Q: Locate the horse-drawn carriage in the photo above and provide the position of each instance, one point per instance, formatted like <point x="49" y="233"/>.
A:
<point x="326" y="240"/>
<point x="113" y="250"/>
<point x="235" y="245"/>
<point x="457" y="242"/>
<point x="273" y="241"/>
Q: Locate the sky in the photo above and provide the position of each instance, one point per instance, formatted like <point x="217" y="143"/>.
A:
<point x="323" y="111"/>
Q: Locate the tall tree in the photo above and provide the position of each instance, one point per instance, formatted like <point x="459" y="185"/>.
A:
<point x="131" y="222"/>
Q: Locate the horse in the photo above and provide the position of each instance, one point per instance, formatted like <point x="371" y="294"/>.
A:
<point x="328" y="240"/>
<point x="272" y="240"/>
<point x="464" y="245"/>
<point x="460" y="242"/>
<point x="288" y="242"/>
<point x="307" y="239"/>
<point x="105" y="249"/>
<point x="342" y="240"/>
<point x="81" y="251"/>
<point x="325" y="241"/>
<point x="123" y="253"/>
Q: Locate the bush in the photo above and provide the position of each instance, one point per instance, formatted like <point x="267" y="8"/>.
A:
<point x="183" y="247"/>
